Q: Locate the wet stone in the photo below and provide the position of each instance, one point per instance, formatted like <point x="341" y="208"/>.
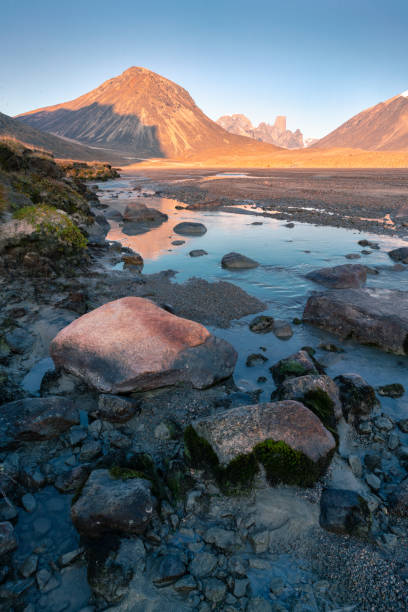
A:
<point x="214" y="590"/>
<point x="28" y="502"/>
<point x="203" y="564"/>
<point x="8" y="541"/>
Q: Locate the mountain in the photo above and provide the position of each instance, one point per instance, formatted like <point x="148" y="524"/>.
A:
<point x="276" y="134"/>
<point x="383" y="127"/>
<point x="59" y="147"/>
<point x="138" y="113"/>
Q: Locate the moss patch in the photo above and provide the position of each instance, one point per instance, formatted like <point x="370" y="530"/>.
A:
<point x="319" y="402"/>
<point x="285" y="465"/>
<point x="120" y="473"/>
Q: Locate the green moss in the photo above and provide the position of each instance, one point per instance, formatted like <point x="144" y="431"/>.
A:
<point x="199" y="452"/>
<point x="319" y="402"/>
<point x="54" y="227"/>
<point x="239" y="474"/>
<point x="292" y="368"/>
<point x="120" y="473"/>
<point x="285" y="465"/>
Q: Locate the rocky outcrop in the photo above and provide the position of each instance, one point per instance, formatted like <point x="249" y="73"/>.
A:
<point x="132" y="344"/>
<point x="112" y="504"/>
<point x="276" y="134"/>
<point x="348" y="276"/>
<point x="236" y="261"/>
<point x="369" y="316"/>
<point x="286" y="437"/>
<point x="35" y="419"/>
<point x="344" y="512"/>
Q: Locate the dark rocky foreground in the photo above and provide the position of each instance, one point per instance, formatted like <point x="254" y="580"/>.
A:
<point x="189" y="495"/>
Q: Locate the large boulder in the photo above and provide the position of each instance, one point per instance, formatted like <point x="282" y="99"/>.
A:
<point x="107" y="503"/>
<point x="189" y="228"/>
<point x="286" y="437"/>
<point x="133" y="345"/>
<point x="400" y="254"/>
<point x="236" y="261"/>
<point x="35" y="419"/>
<point x="135" y="212"/>
<point x="376" y="317"/>
<point x="340" y="277"/>
<point x="343" y="511"/>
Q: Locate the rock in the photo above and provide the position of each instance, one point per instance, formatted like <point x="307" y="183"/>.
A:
<point x="178" y="242"/>
<point x="369" y="243"/>
<point x="373" y="482"/>
<point x="290" y="225"/>
<point x="255" y="359"/>
<point x="286" y="437"/>
<point x="393" y="441"/>
<point x="298" y="364"/>
<point x="356" y="395"/>
<point x="400" y="254"/>
<point x="340" y="277"/>
<point x="393" y="390"/>
<point x="298" y="388"/>
<point x="259" y="604"/>
<point x="188" y="228"/>
<point x="185" y="585"/>
<point x="197" y="253"/>
<point x="236" y="261"/>
<point x="70" y="557"/>
<point x="282" y="330"/>
<point x="384" y="423"/>
<point x="35" y="419"/>
<point x="224" y="539"/>
<point x="403" y="425"/>
<point x="132" y="344"/>
<point x="260" y="541"/>
<point x="262" y="324"/>
<point x="171" y="568"/>
<point x="356" y="466"/>
<point x="136" y="212"/>
<point x="28" y="502"/>
<point x="352" y="256"/>
<point x="241" y="587"/>
<point x="214" y="590"/>
<point x="77" y="435"/>
<point x="8" y="541"/>
<point x="29" y="566"/>
<point x="73" y="480"/>
<point x="115" y="408"/>
<point x="110" y="504"/>
<point x="344" y="511"/>
<point x="368" y="316"/>
<point x="19" y="340"/>
<point x="90" y="450"/>
<point x="133" y="261"/>
<point x="203" y="564"/>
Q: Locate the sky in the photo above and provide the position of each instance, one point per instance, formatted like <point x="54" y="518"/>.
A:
<point x="318" y="62"/>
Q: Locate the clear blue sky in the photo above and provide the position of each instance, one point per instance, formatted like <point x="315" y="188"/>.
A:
<point x="317" y="61"/>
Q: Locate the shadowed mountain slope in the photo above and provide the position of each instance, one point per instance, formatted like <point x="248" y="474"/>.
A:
<point x="138" y="113"/>
<point x="383" y="127"/>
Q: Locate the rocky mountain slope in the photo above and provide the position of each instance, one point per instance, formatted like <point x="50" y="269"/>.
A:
<point x="276" y="134"/>
<point x="383" y="127"/>
<point x="140" y="113"/>
<point x="59" y="147"/>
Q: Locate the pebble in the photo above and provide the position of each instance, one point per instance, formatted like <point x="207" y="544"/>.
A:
<point x="373" y="482"/>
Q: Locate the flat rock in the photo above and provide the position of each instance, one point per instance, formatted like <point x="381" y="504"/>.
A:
<point x="236" y="261"/>
<point x="132" y="344"/>
<point x="340" y="277"/>
<point x="238" y="430"/>
<point x="376" y="317"/>
<point x="35" y="419"/>
<point x="110" y="504"/>
<point x="188" y="228"/>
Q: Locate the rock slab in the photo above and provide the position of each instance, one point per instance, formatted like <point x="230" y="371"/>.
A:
<point x="376" y="317"/>
<point x="133" y="345"/>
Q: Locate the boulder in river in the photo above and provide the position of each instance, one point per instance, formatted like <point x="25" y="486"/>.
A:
<point x="286" y="437"/>
<point x="400" y="254"/>
<point x="236" y="261"/>
<point x="262" y="324"/>
<point x="197" y="253"/>
<point x="340" y="277"/>
<point x="356" y="395"/>
<point x="135" y="212"/>
<point x="345" y="512"/>
<point x="376" y="317"/>
<point x="35" y="419"/>
<point x="131" y="344"/>
<point x="189" y="228"/>
<point x="116" y="504"/>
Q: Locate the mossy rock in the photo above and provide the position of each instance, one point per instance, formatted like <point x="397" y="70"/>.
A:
<point x="319" y="402"/>
<point x="54" y="230"/>
<point x="282" y="464"/>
